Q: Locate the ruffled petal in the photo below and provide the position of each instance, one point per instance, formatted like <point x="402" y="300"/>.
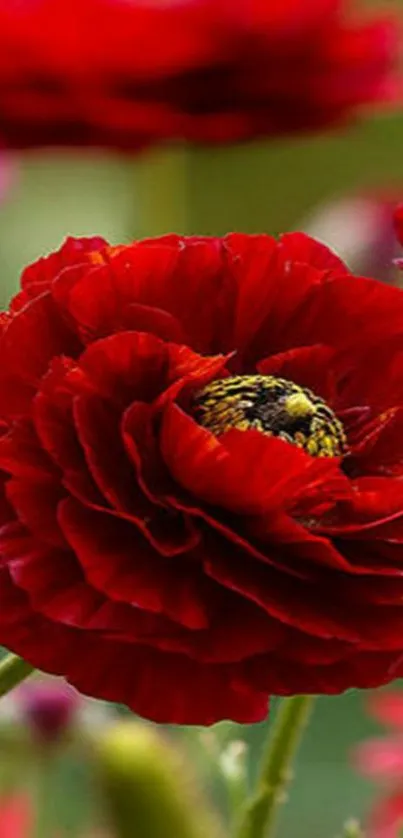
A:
<point x="154" y="684"/>
<point x="122" y="564"/>
<point x="308" y="366"/>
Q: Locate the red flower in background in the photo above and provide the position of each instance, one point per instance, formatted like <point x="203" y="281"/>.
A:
<point x="359" y="227"/>
<point x="126" y="73"/>
<point x="201" y="459"/>
<point x="382" y="759"/>
<point x="17" y="818"/>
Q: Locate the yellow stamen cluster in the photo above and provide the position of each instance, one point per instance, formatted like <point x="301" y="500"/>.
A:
<point x="274" y="406"/>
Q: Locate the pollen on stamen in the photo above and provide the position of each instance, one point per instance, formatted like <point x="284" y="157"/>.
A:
<point x="274" y="406"/>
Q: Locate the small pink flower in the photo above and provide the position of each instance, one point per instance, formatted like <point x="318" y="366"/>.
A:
<point x="15" y="816"/>
<point x="359" y="227"/>
<point x="48" y="707"/>
<point x="381" y="758"/>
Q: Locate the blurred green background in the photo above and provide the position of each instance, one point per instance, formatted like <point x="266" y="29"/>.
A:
<point x="257" y="187"/>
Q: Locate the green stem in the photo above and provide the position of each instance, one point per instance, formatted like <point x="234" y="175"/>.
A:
<point x="13" y="670"/>
<point x="260" y="812"/>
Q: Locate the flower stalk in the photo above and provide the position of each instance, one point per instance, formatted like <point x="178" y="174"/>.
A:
<point x="13" y="670"/>
<point x="259" y="816"/>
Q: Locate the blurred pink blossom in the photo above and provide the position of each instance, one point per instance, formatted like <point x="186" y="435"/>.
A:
<point x="48" y="707"/>
<point x="8" y="174"/>
<point x="17" y="817"/>
<point x="360" y="229"/>
<point x="381" y="758"/>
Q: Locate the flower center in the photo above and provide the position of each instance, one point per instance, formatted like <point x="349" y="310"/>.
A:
<point x="274" y="406"/>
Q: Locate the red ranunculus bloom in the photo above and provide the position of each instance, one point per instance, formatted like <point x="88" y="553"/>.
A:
<point x="202" y="453"/>
<point x="126" y="73"/>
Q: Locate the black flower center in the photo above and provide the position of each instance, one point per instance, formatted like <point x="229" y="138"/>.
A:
<point x="274" y="406"/>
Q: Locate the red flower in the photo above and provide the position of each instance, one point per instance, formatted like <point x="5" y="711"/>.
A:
<point x="382" y="759"/>
<point x="169" y="539"/>
<point x="15" y="817"/>
<point x="359" y="226"/>
<point x="125" y="73"/>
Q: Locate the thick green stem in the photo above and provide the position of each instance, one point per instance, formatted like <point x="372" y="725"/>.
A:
<point x="13" y="670"/>
<point x="260" y="812"/>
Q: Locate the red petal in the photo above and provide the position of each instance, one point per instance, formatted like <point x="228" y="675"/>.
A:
<point x="251" y="260"/>
<point x="298" y="247"/>
<point x="38" y="277"/>
<point x="155" y="321"/>
<point x="21" y="454"/>
<point x="68" y="598"/>
<point x="97" y="427"/>
<point x="134" y="366"/>
<point x="309" y="308"/>
<point x="160" y="686"/>
<point x="378" y="450"/>
<point x="64" y="597"/>
<point x="33" y="337"/>
<point x="245" y="472"/>
<point x="127" y="366"/>
<point x="375" y="508"/>
<point x="53" y="413"/>
<point x="113" y="473"/>
<point x="142" y="444"/>
<point x="285" y="598"/>
<point x="35" y="504"/>
<point x="308" y="366"/>
<point x="120" y="562"/>
<point x="360" y="670"/>
<point x="163" y="686"/>
<point x="99" y="301"/>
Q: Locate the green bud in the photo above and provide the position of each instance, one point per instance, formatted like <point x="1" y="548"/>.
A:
<point x="146" y="787"/>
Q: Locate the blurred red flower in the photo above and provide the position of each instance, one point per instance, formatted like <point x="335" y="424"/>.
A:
<point x="202" y="453"/>
<point x="15" y="817"/>
<point x="359" y="227"/>
<point x="382" y="759"/>
<point x="126" y="73"/>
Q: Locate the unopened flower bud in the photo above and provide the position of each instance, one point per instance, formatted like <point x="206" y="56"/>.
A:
<point x="146" y="787"/>
<point x="48" y="707"/>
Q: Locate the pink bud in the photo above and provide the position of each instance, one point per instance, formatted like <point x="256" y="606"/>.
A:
<point x="48" y="707"/>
